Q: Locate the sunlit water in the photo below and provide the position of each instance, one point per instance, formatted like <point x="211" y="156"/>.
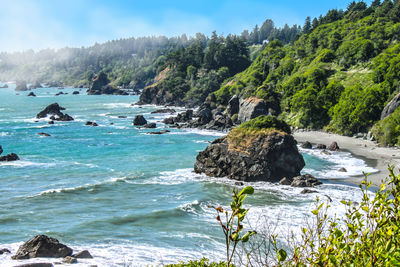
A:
<point x="128" y="197"/>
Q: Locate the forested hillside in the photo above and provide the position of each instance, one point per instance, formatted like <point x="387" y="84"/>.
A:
<point x="338" y="75"/>
<point x="129" y="62"/>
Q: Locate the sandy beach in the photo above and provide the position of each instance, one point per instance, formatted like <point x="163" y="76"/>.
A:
<point x="375" y="156"/>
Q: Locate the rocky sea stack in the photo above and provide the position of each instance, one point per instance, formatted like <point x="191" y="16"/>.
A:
<point x="261" y="149"/>
<point x="101" y="86"/>
<point x="54" y="110"/>
<point x="21" y="86"/>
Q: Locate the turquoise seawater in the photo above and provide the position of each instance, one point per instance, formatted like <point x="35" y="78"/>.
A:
<point x="128" y="197"/>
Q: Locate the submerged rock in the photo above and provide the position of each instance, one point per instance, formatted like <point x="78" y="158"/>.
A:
<point x="164" y="110"/>
<point x="69" y="260"/>
<point x="261" y="155"/>
<point x="9" y="157"/>
<point x="44" y="134"/>
<point x="160" y="132"/>
<point x="1" y="150"/>
<point x="139" y="120"/>
<point x="31" y="94"/>
<point x="342" y="170"/>
<point x="306" y="180"/>
<point x="150" y="125"/>
<point x="42" y="246"/>
<point x="75" y="92"/>
<point x="84" y="254"/>
<point x="321" y="146"/>
<point x="308" y="191"/>
<point x="4" y="250"/>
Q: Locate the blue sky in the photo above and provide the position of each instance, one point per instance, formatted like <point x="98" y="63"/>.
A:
<point x="40" y="24"/>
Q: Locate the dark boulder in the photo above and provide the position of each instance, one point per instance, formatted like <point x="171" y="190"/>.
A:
<point x="21" y="86"/>
<point x="42" y="246"/>
<point x="160" y="132"/>
<point x="260" y="157"/>
<point x="122" y="117"/>
<point x="308" y="191"/>
<point x="51" y="122"/>
<point x="185" y="116"/>
<point x="4" y="250"/>
<point x="89" y="123"/>
<point x="101" y="86"/>
<point x="9" y="157"/>
<point x="55" y="111"/>
<point x="75" y="92"/>
<point x="94" y="124"/>
<point x="170" y="120"/>
<point x="334" y="147"/>
<point x="342" y="170"/>
<point x="4" y="86"/>
<point x="391" y="106"/>
<point x="321" y="146"/>
<point x="59" y="93"/>
<point x="84" y="254"/>
<point x="44" y="134"/>
<point x="69" y="260"/>
<point x="306" y="180"/>
<point x="306" y="145"/>
<point x="165" y="110"/>
<point x="204" y="115"/>
<point x="139" y="120"/>
<point x="150" y="125"/>
<point x="1" y="150"/>
<point x="31" y="94"/>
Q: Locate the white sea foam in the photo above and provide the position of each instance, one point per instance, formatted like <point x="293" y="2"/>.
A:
<point x="118" y="105"/>
<point x="4" y="133"/>
<point x="200" y="132"/>
<point x="24" y="163"/>
<point x="353" y="165"/>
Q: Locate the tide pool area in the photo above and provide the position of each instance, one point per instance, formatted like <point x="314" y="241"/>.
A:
<point x="129" y="197"/>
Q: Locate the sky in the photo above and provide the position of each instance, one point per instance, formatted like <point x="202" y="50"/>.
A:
<point x="41" y="24"/>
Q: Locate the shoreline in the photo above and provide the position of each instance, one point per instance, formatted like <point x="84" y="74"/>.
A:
<point x="373" y="154"/>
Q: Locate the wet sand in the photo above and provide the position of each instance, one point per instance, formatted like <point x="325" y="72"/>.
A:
<point x="374" y="155"/>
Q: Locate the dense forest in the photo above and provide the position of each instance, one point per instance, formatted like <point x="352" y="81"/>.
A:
<point x="131" y="62"/>
<point x="338" y="75"/>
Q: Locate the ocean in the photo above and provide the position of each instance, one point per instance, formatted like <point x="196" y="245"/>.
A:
<point x="128" y="197"/>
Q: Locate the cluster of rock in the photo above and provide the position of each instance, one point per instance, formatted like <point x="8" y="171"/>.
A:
<point x="8" y="157"/>
<point x="306" y="180"/>
<point x="42" y="246"/>
<point x="35" y="85"/>
<point x="332" y="147"/>
<point x="4" y="86"/>
<point x="56" y="84"/>
<point x="101" y="86"/>
<point x="91" y="123"/>
<point x="54" y="111"/>
<point x="268" y="158"/>
<point x="237" y="111"/>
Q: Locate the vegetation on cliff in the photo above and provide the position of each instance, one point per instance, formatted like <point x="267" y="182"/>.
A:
<point x="338" y="75"/>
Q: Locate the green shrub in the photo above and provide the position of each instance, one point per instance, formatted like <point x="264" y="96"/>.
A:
<point x="199" y="263"/>
<point x="368" y="235"/>
<point x="264" y="122"/>
<point x="387" y="131"/>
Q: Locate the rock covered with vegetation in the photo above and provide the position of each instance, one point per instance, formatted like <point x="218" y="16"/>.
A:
<point x="101" y="85"/>
<point x="261" y="149"/>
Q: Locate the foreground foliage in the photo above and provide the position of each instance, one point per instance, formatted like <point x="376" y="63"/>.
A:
<point x="369" y="234"/>
<point x="199" y="263"/>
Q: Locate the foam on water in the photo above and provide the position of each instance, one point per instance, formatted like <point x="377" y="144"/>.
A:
<point x="354" y="166"/>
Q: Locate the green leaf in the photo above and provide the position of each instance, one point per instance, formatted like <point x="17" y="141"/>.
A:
<point x="249" y="190"/>
<point x="247" y="235"/>
<point x="282" y="255"/>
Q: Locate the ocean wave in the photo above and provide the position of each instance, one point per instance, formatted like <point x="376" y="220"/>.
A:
<point x="24" y="163"/>
<point x="200" y="132"/>
<point x="4" y="133"/>
<point x="353" y="165"/>
<point x="118" y="105"/>
<point x="77" y="189"/>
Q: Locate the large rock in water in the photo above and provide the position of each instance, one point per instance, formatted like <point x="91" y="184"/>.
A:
<point x="139" y="120"/>
<point x="101" y="85"/>
<point x="54" y="110"/>
<point x="268" y="155"/>
<point x="42" y="246"/>
<point x="9" y="157"/>
<point x="251" y="108"/>
<point x="391" y="106"/>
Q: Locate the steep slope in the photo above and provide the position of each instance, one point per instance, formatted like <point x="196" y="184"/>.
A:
<point x="339" y="76"/>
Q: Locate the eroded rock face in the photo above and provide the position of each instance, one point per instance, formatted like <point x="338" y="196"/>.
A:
<point x="42" y="246"/>
<point x="54" y="110"/>
<point x="268" y="158"/>
<point x="391" y="107"/>
<point x="251" y="108"/>
<point x="101" y="86"/>
<point x="334" y="147"/>
<point x="233" y="106"/>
